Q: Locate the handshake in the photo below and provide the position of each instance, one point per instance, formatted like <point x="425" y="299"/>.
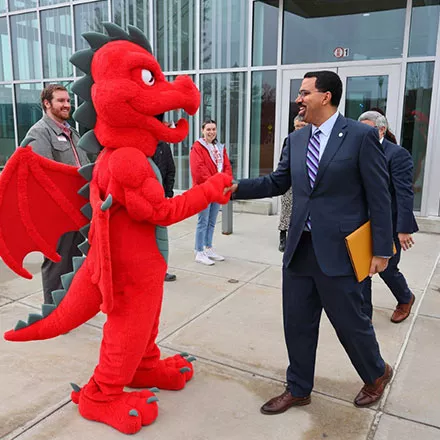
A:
<point x="230" y="189"/>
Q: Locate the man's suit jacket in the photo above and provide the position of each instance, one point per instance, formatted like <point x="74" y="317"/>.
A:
<point x="400" y="167"/>
<point x="351" y="187"/>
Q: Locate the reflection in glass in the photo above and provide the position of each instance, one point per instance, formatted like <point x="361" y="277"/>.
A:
<point x="416" y="107"/>
<point x="29" y="110"/>
<point x="224" y="100"/>
<point x="89" y="17"/>
<point x="2" y="6"/>
<point x="175" y="34"/>
<point x="17" y="5"/>
<point x="265" y="33"/>
<point x="7" y="139"/>
<point x="5" y="54"/>
<point x="364" y="93"/>
<point x="25" y="46"/>
<point x="424" y="27"/>
<point x="262" y="123"/>
<point x="314" y="29"/>
<point x="295" y="85"/>
<point x="134" y="12"/>
<point x="51" y="2"/>
<point x="224" y="33"/>
<point x="181" y="150"/>
<point x="56" y="36"/>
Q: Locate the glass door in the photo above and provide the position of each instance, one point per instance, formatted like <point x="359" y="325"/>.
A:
<point x="367" y="88"/>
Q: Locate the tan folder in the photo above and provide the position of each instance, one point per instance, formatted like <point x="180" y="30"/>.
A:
<point x="360" y="249"/>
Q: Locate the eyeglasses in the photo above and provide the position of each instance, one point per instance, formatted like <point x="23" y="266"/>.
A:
<point x="304" y="93"/>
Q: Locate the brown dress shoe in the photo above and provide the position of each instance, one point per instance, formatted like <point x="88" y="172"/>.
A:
<point x="402" y="311"/>
<point x="283" y="402"/>
<point x="371" y="393"/>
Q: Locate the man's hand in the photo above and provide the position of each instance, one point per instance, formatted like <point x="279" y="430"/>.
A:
<point x="406" y="240"/>
<point x="378" y="264"/>
<point x="232" y="188"/>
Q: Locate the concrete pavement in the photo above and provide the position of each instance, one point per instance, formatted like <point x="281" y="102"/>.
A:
<point x="229" y="317"/>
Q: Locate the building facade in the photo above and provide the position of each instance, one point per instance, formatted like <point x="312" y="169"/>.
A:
<point x="247" y="57"/>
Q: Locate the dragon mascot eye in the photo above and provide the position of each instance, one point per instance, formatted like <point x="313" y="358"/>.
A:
<point x="123" y="221"/>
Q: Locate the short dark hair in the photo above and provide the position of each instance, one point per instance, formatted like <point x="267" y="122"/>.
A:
<point x="47" y="93"/>
<point x="327" y="81"/>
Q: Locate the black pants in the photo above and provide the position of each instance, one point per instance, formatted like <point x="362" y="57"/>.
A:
<point x="51" y="272"/>
<point x="393" y="278"/>
<point x="306" y="291"/>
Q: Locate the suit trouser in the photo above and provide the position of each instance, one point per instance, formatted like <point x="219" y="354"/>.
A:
<point x="51" y="272"/>
<point x="306" y="291"/>
<point x="393" y="278"/>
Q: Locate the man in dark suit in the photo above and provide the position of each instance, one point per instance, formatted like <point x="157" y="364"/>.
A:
<point x="339" y="179"/>
<point x="400" y="167"/>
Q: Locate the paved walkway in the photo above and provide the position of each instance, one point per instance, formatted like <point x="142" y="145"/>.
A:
<point x="229" y="317"/>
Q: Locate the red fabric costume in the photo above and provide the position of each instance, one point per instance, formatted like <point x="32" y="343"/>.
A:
<point x="124" y="269"/>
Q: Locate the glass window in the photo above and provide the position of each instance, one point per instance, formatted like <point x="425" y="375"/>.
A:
<point x="5" y="54"/>
<point x="7" y="137"/>
<point x="365" y="92"/>
<point x="25" y="46"/>
<point x="265" y="33"/>
<point x="29" y="109"/>
<point x="16" y="5"/>
<point x="224" y="33"/>
<point x="56" y="35"/>
<point x="416" y="108"/>
<point x="224" y="100"/>
<point x="51" y="2"/>
<point x="89" y="17"/>
<point x="134" y="12"/>
<point x="262" y="123"/>
<point x="424" y="27"/>
<point x="175" y="34"/>
<point x="318" y="31"/>
<point x="2" y="6"/>
<point x="181" y="150"/>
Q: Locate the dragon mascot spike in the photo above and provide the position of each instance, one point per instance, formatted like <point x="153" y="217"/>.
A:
<point x="123" y="223"/>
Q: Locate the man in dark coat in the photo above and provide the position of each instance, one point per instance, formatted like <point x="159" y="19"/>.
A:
<point x="400" y="167"/>
<point x="339" y="178"/>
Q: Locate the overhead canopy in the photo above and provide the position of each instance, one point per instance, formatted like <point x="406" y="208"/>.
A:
<point x="330" y="8"/>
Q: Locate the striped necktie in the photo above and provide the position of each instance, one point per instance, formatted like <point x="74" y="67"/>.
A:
<point x="312" y="163"/>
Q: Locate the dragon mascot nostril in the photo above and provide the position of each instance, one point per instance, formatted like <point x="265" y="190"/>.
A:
<point x="126" y="243"/>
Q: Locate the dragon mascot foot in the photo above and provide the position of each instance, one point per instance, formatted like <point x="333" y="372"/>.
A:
<point x="126" y="412"/>
<point x="124" y="93"/>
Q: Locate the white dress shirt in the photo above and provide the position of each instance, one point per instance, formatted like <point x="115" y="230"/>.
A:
<point x="326" y="129"/>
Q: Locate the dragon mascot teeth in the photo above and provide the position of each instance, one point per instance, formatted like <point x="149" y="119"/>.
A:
<point x="124" y="224"/>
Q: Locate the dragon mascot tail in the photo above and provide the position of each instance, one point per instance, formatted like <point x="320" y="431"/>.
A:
<point x="123" y="222"/>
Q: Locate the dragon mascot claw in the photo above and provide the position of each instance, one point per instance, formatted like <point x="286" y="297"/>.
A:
<point x="124" y="224"/>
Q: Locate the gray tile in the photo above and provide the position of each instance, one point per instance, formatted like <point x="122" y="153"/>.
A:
<point x="220" y="404"/>
<point x="431" y="302"/>
<point x="231" y="268"/>
<point x="36" y="375"/>
<point x="271" y="277"/>
<point x="17" y="287"/>
<point x="394" y="428"/>
<point x="414" y="392"/>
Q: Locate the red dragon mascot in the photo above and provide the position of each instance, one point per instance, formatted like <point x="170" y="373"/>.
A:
<point x="124" y="224"/>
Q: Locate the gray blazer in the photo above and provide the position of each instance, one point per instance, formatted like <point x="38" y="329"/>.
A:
<point x="51" y="142"/>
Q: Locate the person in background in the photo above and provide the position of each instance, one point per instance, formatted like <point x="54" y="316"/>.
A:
<point x="55" y="139"/>
<point x="163" y="158"/>
<point x="400" y="167"/>
<point x="389" y="135"/>
<point x="207" y="157"/>
<point x="286" y="198"/>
